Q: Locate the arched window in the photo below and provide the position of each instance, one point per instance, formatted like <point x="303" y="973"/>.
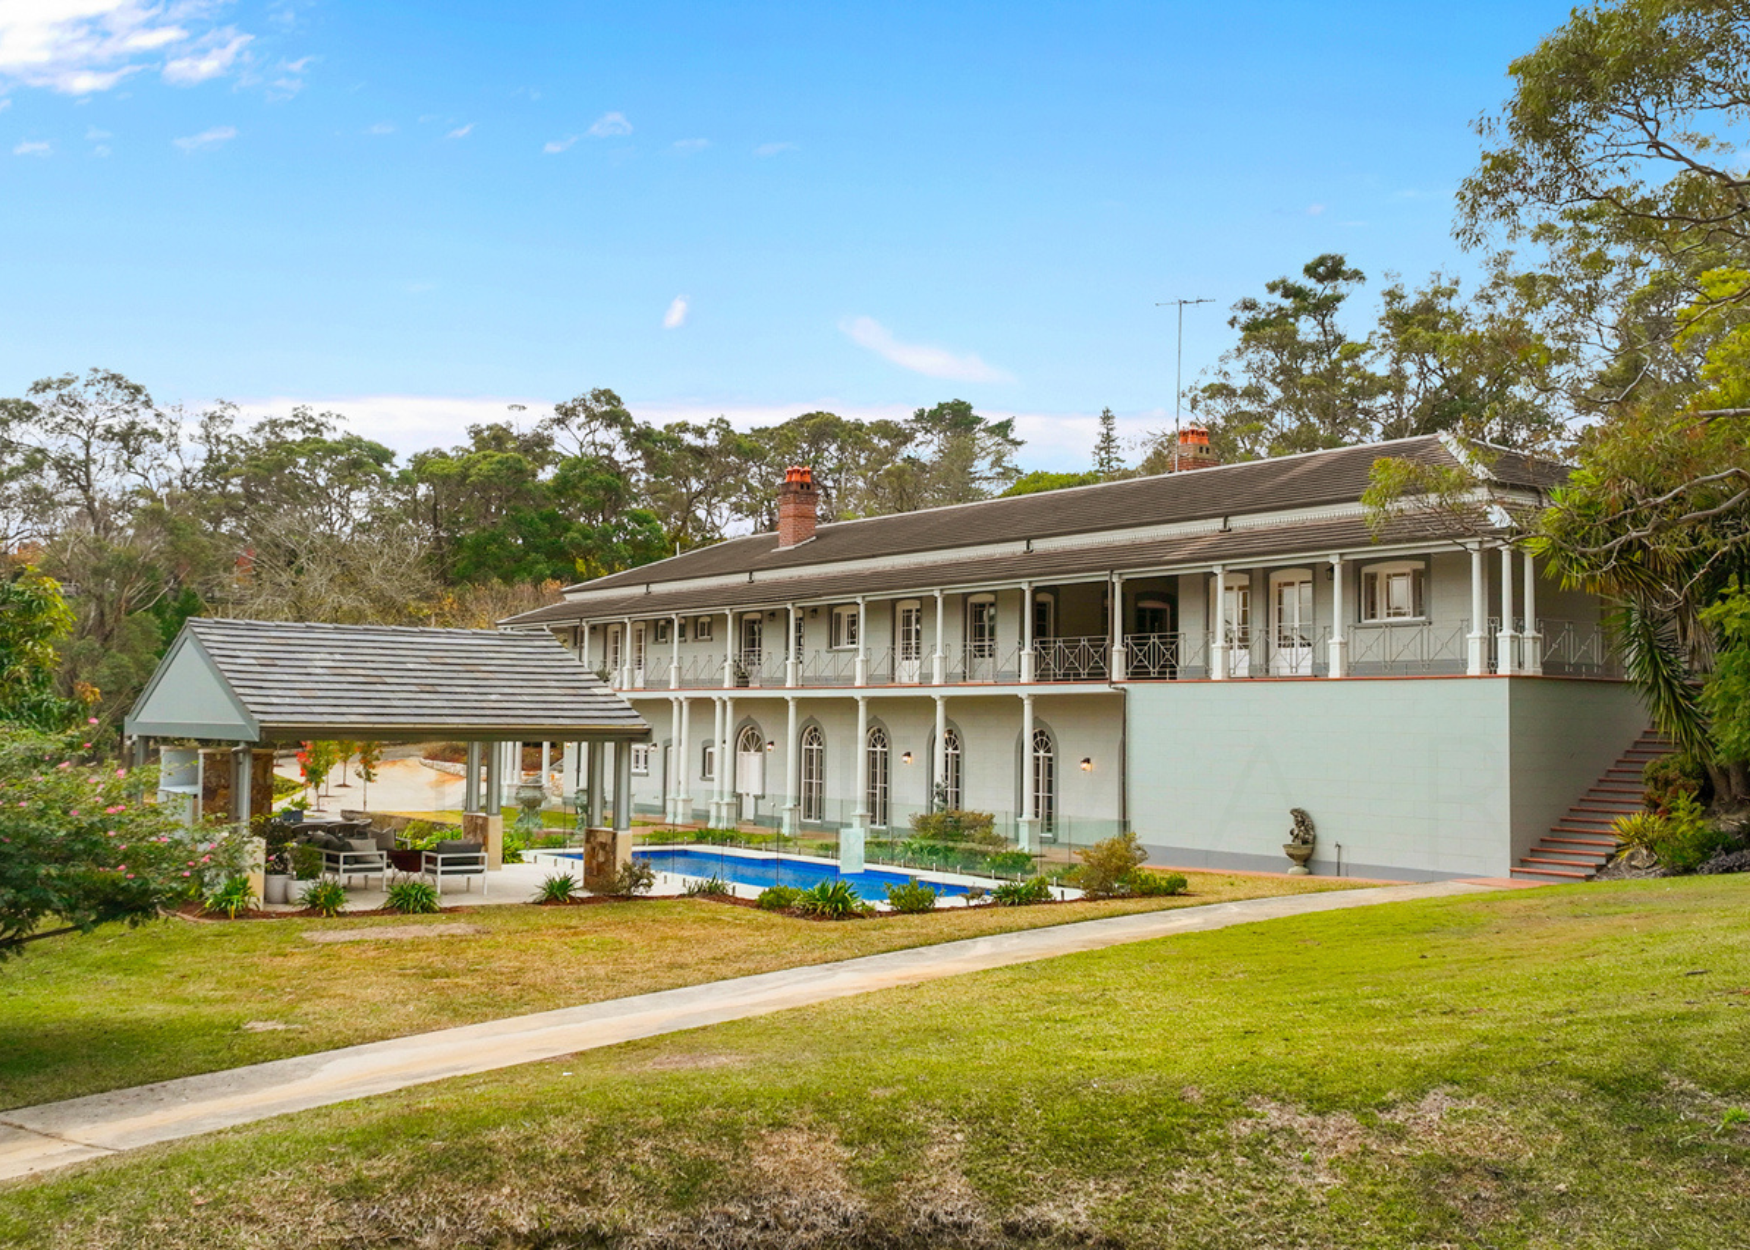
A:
<point x="876" y="798"/>
<point x="1044" y="779"/>
<point x="952" y="793"/>
<point x="813" y="774"/>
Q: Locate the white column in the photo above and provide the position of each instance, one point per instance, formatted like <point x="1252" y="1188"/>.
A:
<point x="939" y="661"/>
<point x="1479" y="614"/>
<point x="726" y="769"/>
<point x="1508" y="662"/>
<point x="674" y="653"/>
<point x="598" y="754"/>
<point x="1339" y="657"/>
<point x="1120" y="648"/>
<point x="683" y="802"/>
<point x="1029" y="818"/>
<point x="1027" y="632"/>
<point x="851" y="840"/>
<point x="1531" y="640"/>
<point x="473" y="794"/>
<point x="627" y="663"/>
<point x="1218" y="643"/>
<point x="729" y="650"/>
<point x="792" y="771"/>
<point x="714" y="805"/>
<point x="793" y="657"/>
<point x="939" y="754"/>
<point x="622" y="787"/>
<point x="862" y="643"/>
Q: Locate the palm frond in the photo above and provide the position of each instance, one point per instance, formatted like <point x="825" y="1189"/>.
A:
<point x="1652" y="657"/>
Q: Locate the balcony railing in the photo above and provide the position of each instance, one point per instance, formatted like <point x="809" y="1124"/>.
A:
<point x="1375" y="648"/>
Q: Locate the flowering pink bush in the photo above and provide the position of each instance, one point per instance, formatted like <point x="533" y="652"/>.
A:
<point x="78" y="850"/>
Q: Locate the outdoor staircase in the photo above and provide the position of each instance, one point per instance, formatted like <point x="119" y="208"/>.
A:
<point x="1583" y="841"/>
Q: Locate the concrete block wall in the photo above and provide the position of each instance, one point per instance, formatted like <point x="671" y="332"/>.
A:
<point x="1416" y="778"/>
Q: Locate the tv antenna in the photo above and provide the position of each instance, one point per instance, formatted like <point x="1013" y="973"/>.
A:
<point x="1179" y="372"/>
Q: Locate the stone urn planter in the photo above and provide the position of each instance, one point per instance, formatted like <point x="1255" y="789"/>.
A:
<point x="276" y="887"/>
<point x="1299" y="852"/>
<point x="530" y="795"/>
<point x="1299" y="847"/>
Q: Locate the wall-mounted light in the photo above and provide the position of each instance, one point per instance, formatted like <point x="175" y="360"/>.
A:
<point x="770" y="744"/>
<point x="814" y="611"/>
<point x="1087" y="764"/>
<point x="906" y="758"/>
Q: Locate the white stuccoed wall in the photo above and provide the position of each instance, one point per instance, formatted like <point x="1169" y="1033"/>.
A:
<point x="1417" y="778"/>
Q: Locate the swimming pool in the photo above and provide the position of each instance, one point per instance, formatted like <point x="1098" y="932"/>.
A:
<point x="761" y="871"/>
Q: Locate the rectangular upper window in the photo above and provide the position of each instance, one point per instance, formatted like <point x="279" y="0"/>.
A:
<point x="1393" y="592"/>
<point x="845" y="622"/>
<point x="641" y="759"/>
<point x="703" y="632"/>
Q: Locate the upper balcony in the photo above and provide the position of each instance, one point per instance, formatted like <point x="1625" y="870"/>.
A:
<point x="1368" y="649"/>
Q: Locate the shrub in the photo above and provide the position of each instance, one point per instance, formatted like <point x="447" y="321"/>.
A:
<point x="231" y="896"/>
<point x="634" y="877"/>
<point x="1008" y="863"/>
<point x="550" y="842"/>
<point x="975" y="894"/>
<point x="306" y="862"/>
<point x="413" y="898"/>
<point x="1145" y="884"/>
<point x="285" y="787"/>
<point x="1108" y="865"/>
<point x="515" y="843"/>
<point x="1021" y="893"/>
<point x="831" y="900"/>
<point x="711" y="887"/>
<point x="911" y="898"/>
<point x="1669" y="776"/>
<point x="326" y="898"/>
<point x="1683" y="839"/>
<point x="560" y="887"/>
<point x="778" y="897"/>
<point x="959" y="827"/>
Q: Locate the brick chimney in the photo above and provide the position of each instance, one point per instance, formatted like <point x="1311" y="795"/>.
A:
<point x="798" y="501"/>
<point x="1194" y="451"/>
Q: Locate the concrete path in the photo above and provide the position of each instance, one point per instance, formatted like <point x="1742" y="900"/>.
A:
<point x="35" y="1139"/>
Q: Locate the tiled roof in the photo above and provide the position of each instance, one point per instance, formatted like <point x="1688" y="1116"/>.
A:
<point x="298" y="679"/>
<point x="1286" y="483"/>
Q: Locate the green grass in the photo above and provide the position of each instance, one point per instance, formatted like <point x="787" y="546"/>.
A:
<point x="80" y="1015"/>
<point x="1525" y="1069"/>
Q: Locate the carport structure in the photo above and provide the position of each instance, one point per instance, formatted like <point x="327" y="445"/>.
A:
<point x="262" y="685"/>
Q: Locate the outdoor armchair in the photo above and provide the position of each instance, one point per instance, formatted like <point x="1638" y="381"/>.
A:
<point x="344" y="858"/>
<point x="465" y="860"/>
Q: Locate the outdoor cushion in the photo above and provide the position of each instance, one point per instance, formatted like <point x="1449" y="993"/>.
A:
<point x="457" y="848"/>
<point x="332" y="842"/>
<point x="366" y="846"/>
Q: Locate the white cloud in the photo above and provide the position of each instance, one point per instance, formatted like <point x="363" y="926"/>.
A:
<point x="772" y="149"/>
<point x="676" y="316"/>
<point x="609" y="125"/>
<point x="380" y="128"/>
<point x="78" y="47"/>
<point x="36" y="148"/>
<point x="691" y="145"/>
<point x="932" y="362"/>
<point x="557" y="145"/>
<point x="211" y="55"/>
<point x="461" y="132"/>
<point x="101" y="149"/>
<point x="94" y="135"/>
<point x="5" y="103"/>
<point x="1315" y="210"/>
<point x="206" y="138"/>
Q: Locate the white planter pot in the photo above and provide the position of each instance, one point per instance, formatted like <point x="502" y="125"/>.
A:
<point x="277" y="888"/>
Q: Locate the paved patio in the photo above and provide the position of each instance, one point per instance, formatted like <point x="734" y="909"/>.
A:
<point x="514" y="883"/>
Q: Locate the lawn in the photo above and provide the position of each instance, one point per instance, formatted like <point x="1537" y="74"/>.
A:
<point x="1560" y="1067"/>
<point x="84" y="1014"/>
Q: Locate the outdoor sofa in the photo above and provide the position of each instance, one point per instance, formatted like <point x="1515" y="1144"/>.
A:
<point x="452" y="860"/>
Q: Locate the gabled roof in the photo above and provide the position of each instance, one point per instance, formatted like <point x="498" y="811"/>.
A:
<point x="274" y="681"/>
<point x="1285" y="483"/>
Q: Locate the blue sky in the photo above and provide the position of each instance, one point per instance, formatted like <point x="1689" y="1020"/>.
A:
<point x="417" y="213"/>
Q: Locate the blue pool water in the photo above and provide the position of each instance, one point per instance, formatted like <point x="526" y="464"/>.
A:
<point x="871" y="884"/>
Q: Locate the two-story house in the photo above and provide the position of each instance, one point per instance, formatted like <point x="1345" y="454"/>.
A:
<point x="1188" y="655"/>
